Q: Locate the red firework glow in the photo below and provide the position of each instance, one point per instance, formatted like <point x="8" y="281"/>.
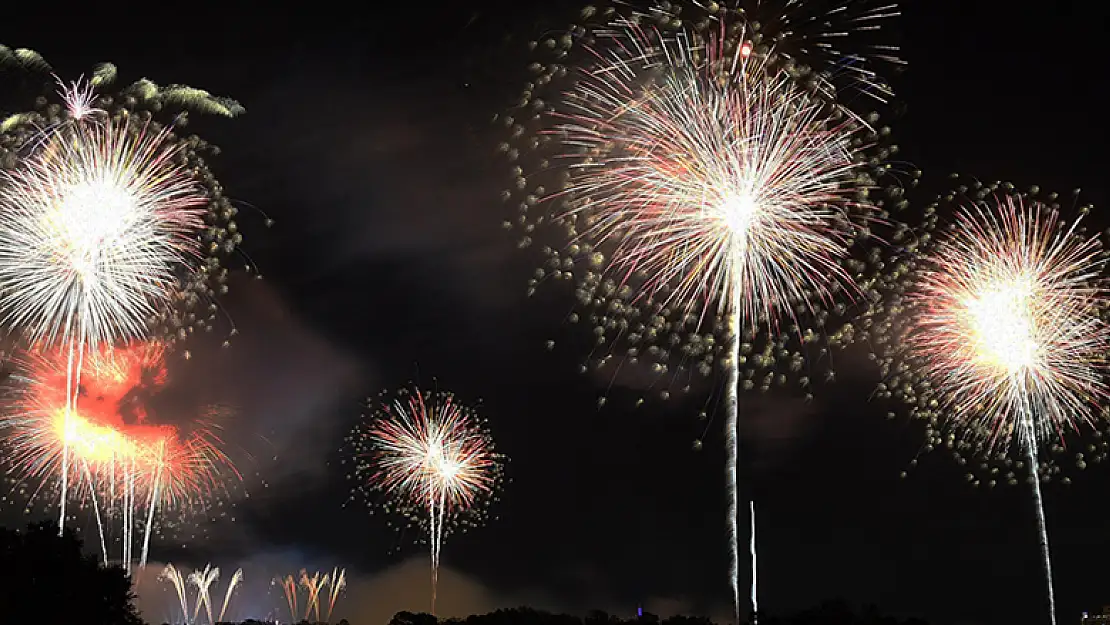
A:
<point x="120" y="458"/>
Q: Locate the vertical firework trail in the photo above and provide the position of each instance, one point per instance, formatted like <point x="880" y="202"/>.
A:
<point x="732" y="448"/>
<point x="1030" y="446"/>
<point x="755" y="569"/>
<point x="153" y="502"/>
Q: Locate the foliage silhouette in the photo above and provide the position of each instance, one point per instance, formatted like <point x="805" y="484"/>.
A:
<point x="50" y="575"/>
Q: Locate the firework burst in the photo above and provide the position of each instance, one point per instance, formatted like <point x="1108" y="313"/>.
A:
<point x="995" y="330"/>
<point x="709" y="205"/>
<point x="86" y="108"/>
<point x="433" y="460"/>
<point x="122" y="462"/>
<point x="91" y="229"/>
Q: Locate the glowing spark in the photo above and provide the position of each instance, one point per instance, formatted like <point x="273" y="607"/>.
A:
<point x="1009" y="330"/>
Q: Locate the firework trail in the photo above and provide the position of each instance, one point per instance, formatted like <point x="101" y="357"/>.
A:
<point x="203" y="580"/>
<point x="231" y="586"/>
<point x="338" y="583"/>
<point x="171" y="574"/>
<point x="755" y="596"/>
<point x="133" y="466"/>
<point x="1000" y="334"/>
<point x="434" y="460"/>
<point x="710" y="199"/>
<point x="289" y="586"/>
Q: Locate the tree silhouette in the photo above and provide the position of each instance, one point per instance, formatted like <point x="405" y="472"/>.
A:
<point x="50" y="580"/>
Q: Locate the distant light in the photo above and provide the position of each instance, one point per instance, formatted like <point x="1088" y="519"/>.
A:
<point x="640" y="611"/>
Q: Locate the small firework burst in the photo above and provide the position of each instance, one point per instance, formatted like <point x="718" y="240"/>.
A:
<point x="84" y="108"/>
<point x="431" y="459"/>
<point x="674" y="176"/>
<point x="995" y="308"/>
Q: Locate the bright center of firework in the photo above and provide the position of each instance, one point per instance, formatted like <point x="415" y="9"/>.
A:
<point x="87" y="218"/>
<point x="1001" y="318"/>
<point x="737" y="212"/>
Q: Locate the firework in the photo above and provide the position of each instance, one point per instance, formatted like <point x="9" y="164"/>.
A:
<point x="110" y="225"/>
<point x="123" y="462"/>
<point x="317" y="586"/>
<point x="313" y="585"/>
<point x="338" y="581"/>
<point x="433" y="460"/>
<point x="289" y="587"/>
<point x="709" y="206"/>
<point x="236" y="579"/>
<point x="995" y="331"/>
<point x="203" y="580"/>
<point x="88" y="104"/>
<point x="172" y="575"/>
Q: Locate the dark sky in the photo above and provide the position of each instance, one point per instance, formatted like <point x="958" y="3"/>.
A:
<point x="367" y="140"/>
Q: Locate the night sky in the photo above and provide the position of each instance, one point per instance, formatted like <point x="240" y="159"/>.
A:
<point x="367" y="140"/>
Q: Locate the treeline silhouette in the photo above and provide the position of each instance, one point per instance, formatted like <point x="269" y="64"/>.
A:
<point x="50" y="580"/>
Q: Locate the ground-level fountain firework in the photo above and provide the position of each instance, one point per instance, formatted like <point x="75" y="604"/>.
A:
<point x="318" y="587"/>
<point x="199" y="586"/>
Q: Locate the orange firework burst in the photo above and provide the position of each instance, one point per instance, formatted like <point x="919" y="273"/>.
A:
<point x="121" y="459"/>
